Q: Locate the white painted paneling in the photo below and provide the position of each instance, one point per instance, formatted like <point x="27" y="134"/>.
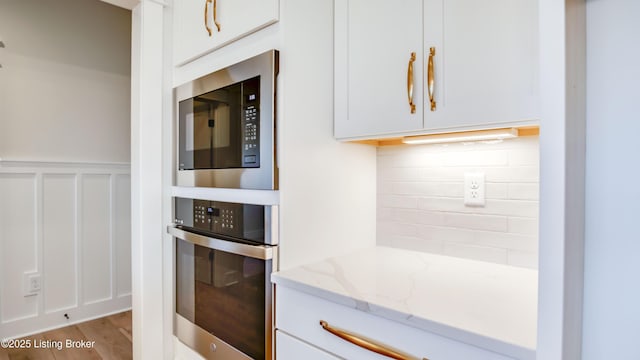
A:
<point x="327" y="188"/>
<point x="60" y="260"/>
<point x="147" y="223"/>
<point x="57" y="219"/>
<point x="18" y="236"/>
<point x="612" y="244"/>
<point x="122" y="234"/>
<point x="95" y="238"/>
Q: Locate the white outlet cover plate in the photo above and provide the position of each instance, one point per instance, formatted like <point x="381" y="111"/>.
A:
<point x="31" y="283"/>
<point x="474" y="189"/>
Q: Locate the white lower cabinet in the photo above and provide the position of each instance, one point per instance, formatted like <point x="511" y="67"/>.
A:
<point x="290" y="348"/>
<point x="299" y="314"/>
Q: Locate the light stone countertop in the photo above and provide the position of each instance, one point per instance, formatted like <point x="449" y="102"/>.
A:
<point x="488" y="305"/>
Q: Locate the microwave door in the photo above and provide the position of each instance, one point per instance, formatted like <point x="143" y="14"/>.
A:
<point x="195" y="134"/>
<point x="226" y="142"/>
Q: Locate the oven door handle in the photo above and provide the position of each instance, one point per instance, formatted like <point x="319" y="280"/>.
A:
<point x="262" y="252"/>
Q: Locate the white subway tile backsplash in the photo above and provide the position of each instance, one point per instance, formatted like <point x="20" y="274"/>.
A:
<point x="529" y="191"/>
<point x="394" y="228"/>
<point x="474" y="158"/>
<point x="523" y="226"/>
<point x="384" y="214"/>
<point x="495" y="255"/>
<point x="506" y="240"/>
<point x="495" y="191"/>
<point x="384" y="187"/>
<point x="525" y="174"/>
<point x="415" y="188"/>
<point x="446" y="234"/>
<point x="417" y="217"/>
<point x="421" y="205"/>
<point x="393" y="201"/>
<point x="476" y="222"/>
<point x="399" y="174"/>
<point x="412" y="243"/>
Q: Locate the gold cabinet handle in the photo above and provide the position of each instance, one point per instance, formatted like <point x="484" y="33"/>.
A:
<point x="430" y="77"/>
<point x="215" y="14"/>
<point x="206" y="17"/>
<point x="412" y="106"/>
<point x="368" y="344"/>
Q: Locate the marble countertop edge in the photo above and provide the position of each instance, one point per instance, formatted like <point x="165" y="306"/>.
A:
<point x="448" y="331"/>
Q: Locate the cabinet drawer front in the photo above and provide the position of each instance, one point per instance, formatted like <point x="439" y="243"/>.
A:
<point x="290" y="348"/>
<point x="237" y="18"/>
<point x="299" y="314"/>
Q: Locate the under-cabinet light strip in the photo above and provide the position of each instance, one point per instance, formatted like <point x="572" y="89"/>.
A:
<point x="479" y="135"/>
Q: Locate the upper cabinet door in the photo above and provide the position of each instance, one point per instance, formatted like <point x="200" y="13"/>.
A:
<point x="375" y="40"/>
<point x="485" y="67"/>
<point x="201" y="26"/>
<point x="476" y="66"/>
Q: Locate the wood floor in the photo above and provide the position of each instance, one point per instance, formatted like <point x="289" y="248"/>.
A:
<point x="107" y="338"/>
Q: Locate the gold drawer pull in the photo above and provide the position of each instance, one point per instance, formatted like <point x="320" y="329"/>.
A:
<point x="412" y="59"/>
<point x="368" y="344"/>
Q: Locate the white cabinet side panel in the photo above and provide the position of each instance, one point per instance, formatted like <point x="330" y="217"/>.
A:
<point x="122" y="234"/>
<point x="60" y="264"/>
<point x="327" y="188"/>
<point x="18" y="244"/>
<point x="96" y="238"/>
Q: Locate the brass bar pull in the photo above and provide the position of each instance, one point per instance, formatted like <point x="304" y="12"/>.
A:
<point x="215" y="14"/>
<point x="368" y="344"/>
<point x="206" y="17"/>
<point x="412" y="106"/>
<point x="430" y="77"/>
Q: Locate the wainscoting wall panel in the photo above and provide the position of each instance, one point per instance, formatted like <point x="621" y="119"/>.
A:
<point x="95" y="217"/>
<point x="122" y="233"/>
<point x="60" y="262"/>
<point x="19" y="243"/>
<point x="69" y="224"/>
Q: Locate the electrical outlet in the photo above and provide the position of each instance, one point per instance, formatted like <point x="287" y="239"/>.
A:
<point x="474" y="189"/>
<point x="31" y="283"/>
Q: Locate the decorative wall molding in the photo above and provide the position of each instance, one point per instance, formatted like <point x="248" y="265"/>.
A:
<point x="69" y="223"/>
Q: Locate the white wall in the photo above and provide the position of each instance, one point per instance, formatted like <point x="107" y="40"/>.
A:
<point x="421" y="200"/>
<point x="612" y="244"/>
<point x="64" y="162"/>
<point x="64" y="81"/>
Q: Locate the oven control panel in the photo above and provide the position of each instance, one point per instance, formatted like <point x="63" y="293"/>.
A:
<point x="221" y="219"/>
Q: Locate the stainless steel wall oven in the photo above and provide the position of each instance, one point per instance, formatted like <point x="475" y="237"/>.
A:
<point x="226" y="127"/>
<point x="225" y="253"/>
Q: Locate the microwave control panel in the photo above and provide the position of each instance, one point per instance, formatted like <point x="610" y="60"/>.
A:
<point x="251" y="123"/>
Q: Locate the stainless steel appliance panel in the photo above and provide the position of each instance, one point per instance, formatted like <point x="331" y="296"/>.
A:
<point x="223" y="297"/>
<point x="226" y="127"/>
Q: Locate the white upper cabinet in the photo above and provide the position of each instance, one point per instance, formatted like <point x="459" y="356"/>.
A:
<point x="201" y="26"/>
<point x="377" y="39"/>
<point x="484" y="66"/>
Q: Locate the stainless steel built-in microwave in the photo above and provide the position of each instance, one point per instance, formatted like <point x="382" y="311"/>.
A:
<point x="226" y="127"/>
